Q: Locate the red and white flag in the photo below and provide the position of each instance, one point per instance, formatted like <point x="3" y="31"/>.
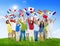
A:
<point x="25" y="9"/>
<point x="30" y="9"/>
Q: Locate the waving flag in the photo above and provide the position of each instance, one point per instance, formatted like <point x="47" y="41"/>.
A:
<point x="27" y="13"/>
<point x="12" y="20"/>
<point x="47" y="12"/>
<point x="6" y="16"/>
<point x="40" y="12"/>
<point x="20" y="12"/>
<point x="25" y="9"/>
<point x="45" y="16"/>
<point x="30" y="9"/>
<point x="14" y="10"/>
<point x="10" y="10"/>
<point x="53" y="13"/>
<point x="35" y="14"/>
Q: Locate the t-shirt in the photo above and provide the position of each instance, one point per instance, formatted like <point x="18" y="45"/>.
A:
<point x="9" y="28"/>
<point x="31" y="25"/>
<point x="23" y="26"/>
<point x="36" y="27"/>
<point x="13" y="26"/>
<point x="17" y="27"/>
<point x="41" y="25"/>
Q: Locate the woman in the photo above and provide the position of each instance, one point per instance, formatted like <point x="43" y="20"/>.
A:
<point x="41" y="29"/>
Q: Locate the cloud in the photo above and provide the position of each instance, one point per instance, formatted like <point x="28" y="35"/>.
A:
<point x="56" y="33"/>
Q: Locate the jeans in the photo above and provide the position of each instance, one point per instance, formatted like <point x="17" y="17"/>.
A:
<point x="22" y="33"/>
<point x="35" y="35"/>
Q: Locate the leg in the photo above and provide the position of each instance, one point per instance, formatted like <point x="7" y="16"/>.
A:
<point x="35" y="36"/>
<point x="14" y="34"/>
<point x="24" y="35"/>
<point x="29" y="35"/>
<point x="20" y="35"/>
<point x="17" y="36"/>
<point x="41" y="36"/>
<point x="46" y="34"/>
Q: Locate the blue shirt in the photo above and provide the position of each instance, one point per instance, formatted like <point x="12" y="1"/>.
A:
<point x="17" y="27"/>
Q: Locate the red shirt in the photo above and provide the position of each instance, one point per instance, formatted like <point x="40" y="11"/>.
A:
<point x="31" y="24"/>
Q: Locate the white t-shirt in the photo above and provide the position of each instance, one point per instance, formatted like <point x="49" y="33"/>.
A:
<point x="13" y="26"/>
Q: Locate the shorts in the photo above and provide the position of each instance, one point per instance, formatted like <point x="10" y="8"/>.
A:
<point x="27" y="31"/>
<point x="46" y="29"/>
<point x="41" y="30"/>
<point x="31" y="33"/>
<point x="9" y="31"/>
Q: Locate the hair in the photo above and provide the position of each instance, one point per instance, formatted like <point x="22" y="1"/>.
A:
<point x="7" y="21"/>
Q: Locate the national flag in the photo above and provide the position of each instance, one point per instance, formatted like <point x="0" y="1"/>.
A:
<point x="12" y="20"/>
<point x="25" y="9"/>
<point x="27" y="14"/>
<point x="40" y="12"/>
<point x="53" y="13"/>
<point x="6" y="16"/>
<point x="14" y="10"/>
<point x="20" y="12"/>
<point x="10" y="10"/>
<point x="47" y="12"/>
<point x="30" y="9"/>
<point x="45" y="16"/>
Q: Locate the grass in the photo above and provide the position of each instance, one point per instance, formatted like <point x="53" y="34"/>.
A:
<point x="12" y="42"/>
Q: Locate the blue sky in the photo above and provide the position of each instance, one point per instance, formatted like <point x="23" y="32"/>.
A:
<point x="37" y="4"/>
<point x="52" y="5"/>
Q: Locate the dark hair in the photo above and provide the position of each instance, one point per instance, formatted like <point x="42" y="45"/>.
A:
<point x="41" y="24"/>
<point x="7" y="21"/>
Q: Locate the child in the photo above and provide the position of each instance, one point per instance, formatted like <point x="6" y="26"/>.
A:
<point x="17" y="31"/>
<point x="23" y="28"/>
<point x="46" y="28"/>
<point x="13" y="29"/>
<point x="31" y="28"/>
<point x="27" y="32"/>
<point x="36" y="29"/>
<point x="9" y="28"/>
<point x="41" y="29"/>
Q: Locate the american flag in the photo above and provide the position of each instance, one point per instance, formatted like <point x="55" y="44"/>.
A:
<point x="6" y="16"/>
<point x="20" y="12"/>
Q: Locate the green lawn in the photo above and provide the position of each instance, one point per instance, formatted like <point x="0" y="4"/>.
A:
<point x="12" y="42"/>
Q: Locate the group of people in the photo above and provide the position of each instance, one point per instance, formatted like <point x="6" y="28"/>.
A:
<point x="30" y="28"/>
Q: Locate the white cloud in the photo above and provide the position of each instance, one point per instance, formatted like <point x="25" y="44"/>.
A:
<point x="56" y="33"/>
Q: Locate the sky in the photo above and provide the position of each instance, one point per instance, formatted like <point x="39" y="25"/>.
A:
<point x="52" y="5"/>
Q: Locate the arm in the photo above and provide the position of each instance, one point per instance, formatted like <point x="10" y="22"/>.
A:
<point x="54" y="20"/>
<point x="19" y="21"/>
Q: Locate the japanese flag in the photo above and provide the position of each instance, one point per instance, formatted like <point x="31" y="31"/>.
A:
<point x="30" y="9"/>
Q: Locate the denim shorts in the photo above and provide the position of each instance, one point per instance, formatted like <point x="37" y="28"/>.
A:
<point x="41" y="30"/>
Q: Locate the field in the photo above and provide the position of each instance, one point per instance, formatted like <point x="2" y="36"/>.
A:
<point x="12" y="42"/>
